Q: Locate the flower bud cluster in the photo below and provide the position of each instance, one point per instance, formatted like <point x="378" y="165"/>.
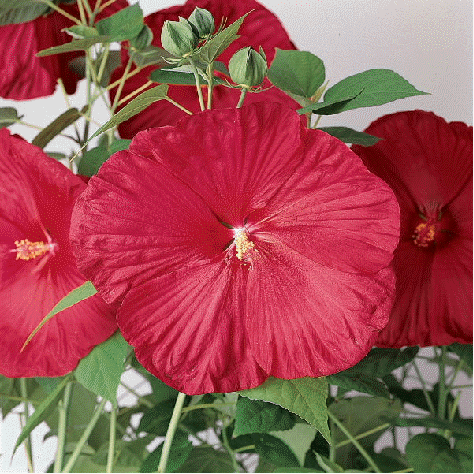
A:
<point x="182" y="37"/>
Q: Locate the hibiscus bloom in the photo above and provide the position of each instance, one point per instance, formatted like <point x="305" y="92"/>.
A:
<point x="26" y="76"/>
<point x="37" y="267"/>
<point x="260" y="28"/>
<point x="241" y="245"/>
<point x="428" y="164"/>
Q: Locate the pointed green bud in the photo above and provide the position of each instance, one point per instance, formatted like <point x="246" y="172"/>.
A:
<point x="143" y="40"/>
<point x="248" y="67"/>
<point x="179" y="37"/>
<point x="203" y="20"/>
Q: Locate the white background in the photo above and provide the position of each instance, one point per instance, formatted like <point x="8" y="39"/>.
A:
<point x="428" y="42"/>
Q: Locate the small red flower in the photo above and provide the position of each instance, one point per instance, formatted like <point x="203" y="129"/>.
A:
<point x="25" y="76"/>
<point x="428" y="164"/>
<point x="260" y="28"/>
<point x="37" y="267"/>
<point x="241" y="245"/>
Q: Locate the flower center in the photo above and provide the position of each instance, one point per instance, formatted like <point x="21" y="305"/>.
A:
<point x="242" y="243"/>
<point x="26" y="250"/>
<point x="434" y="228"/>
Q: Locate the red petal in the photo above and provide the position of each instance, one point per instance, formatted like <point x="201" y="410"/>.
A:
<point x="191" y="333"/>
<point x="36" y="198"/>
<point x="422" y="157"/>
<point x="135" y="221"/>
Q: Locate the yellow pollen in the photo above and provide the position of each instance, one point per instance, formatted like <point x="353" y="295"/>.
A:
<point x="242" y="244"/>
<point x="26" y="250"/>
<point x="424" y="234"/>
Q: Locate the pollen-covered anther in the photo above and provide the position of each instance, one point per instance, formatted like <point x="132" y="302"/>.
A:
<point x="26" y="250"/>
<point x="424" y="234"/>
<point x="242" y="243"/>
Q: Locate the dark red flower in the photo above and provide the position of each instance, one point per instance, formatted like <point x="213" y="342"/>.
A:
<point x="25" y="76"/>
<point x="37" y="267"/>
<point x="241" y="245"/>
<point x="260" y="28"/>
<point x="428" y="164"/>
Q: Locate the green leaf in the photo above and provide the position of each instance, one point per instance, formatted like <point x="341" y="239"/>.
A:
<point x="124" y="25"/>
<point x="135" y="106"/>
<point x="213" y="48"/>
<point x="152" y="55"/>
<point x="101" y="370"/>
<point x="8" y="116"/>
<point x="305" y="396"/>
<point x="431" y="453"/>
<point x="181" y="448"/>
<point x="274" y="450"/>
<point x="168" y="76"/>
<point x="82" y="31"/>
<point x="257" y="416"/>
<point x="49" y="384"/>
<point x="156" y="420"/>
<point x="42" y="411"/>
<point x="298" y="439"/>
<point x="206" y="459"/>
<point x="21" y="11"/>
<point x="463" y="448"/>
<point x="360" y="382"/>
<point x="57" y="126"/>
<point x="82" y="292"/>
<point x="76" y="45"/>
<point x="348" y="135"/>
<point x="429" y="422"/>
<point x="92" y="160"/>
<point x="464" y="351"/>
<point x="369" y="88"/>
<point x="298" y="72"/>
<point x="294" y="469"/>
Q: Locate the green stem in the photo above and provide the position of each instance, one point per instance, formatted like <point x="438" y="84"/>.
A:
<point x="171" y="431"/>
<point x="198" y="84"/>
<point x="423" y="388"/>
<point x="111" y="453"/>
<point x="120" y="85"/>
<point x="443" y="394"/>
<point x="62" y="413"/>
<point x="27" y="442"/>
<point x="210" y="81"/>
<point x="361" y="450"/>
<point x="184" y="109"/>
<point x="365" y="434"/>
<point x="225" y="442"/>
<point x="141" y="399"/>
<point x="243" y="93"/>
<point x="85" y="436"/>
<point x="244" y="448"/>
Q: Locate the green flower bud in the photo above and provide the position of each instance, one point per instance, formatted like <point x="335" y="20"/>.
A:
<point x="143" y="39"/>
<point x="179" y="37"/>
<point x="203" y="21"/>
<point x="248" y="67"/>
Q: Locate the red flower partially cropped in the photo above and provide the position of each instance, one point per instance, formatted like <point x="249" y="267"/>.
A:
<point x="260" y="28"/>
<point x="241" y="245"/>
<point x="25" y="76"/>
<point x="37" y="267"/>
<point x="428" y="164"/>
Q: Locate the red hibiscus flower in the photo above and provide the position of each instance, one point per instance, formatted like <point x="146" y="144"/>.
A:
<point x="260" y="28"/>
<point x="25" y="76"/>
<point x="428" y="164"/>
<point x="37" y="267"/>
<point x="241" y="245"/>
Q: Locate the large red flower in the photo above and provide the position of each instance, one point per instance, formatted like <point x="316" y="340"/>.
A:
<point x="37" y="267"/>
<point x="428" y="164"/>
<point x="260" y="28"/>
<point x="25" y="76"/>
<point x="241" y="246"/>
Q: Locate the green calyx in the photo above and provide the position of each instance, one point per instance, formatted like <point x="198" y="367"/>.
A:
<point x="179" y="38"/>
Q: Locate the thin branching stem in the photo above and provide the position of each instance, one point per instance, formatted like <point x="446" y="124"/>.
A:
<point x="62" y="422"/>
